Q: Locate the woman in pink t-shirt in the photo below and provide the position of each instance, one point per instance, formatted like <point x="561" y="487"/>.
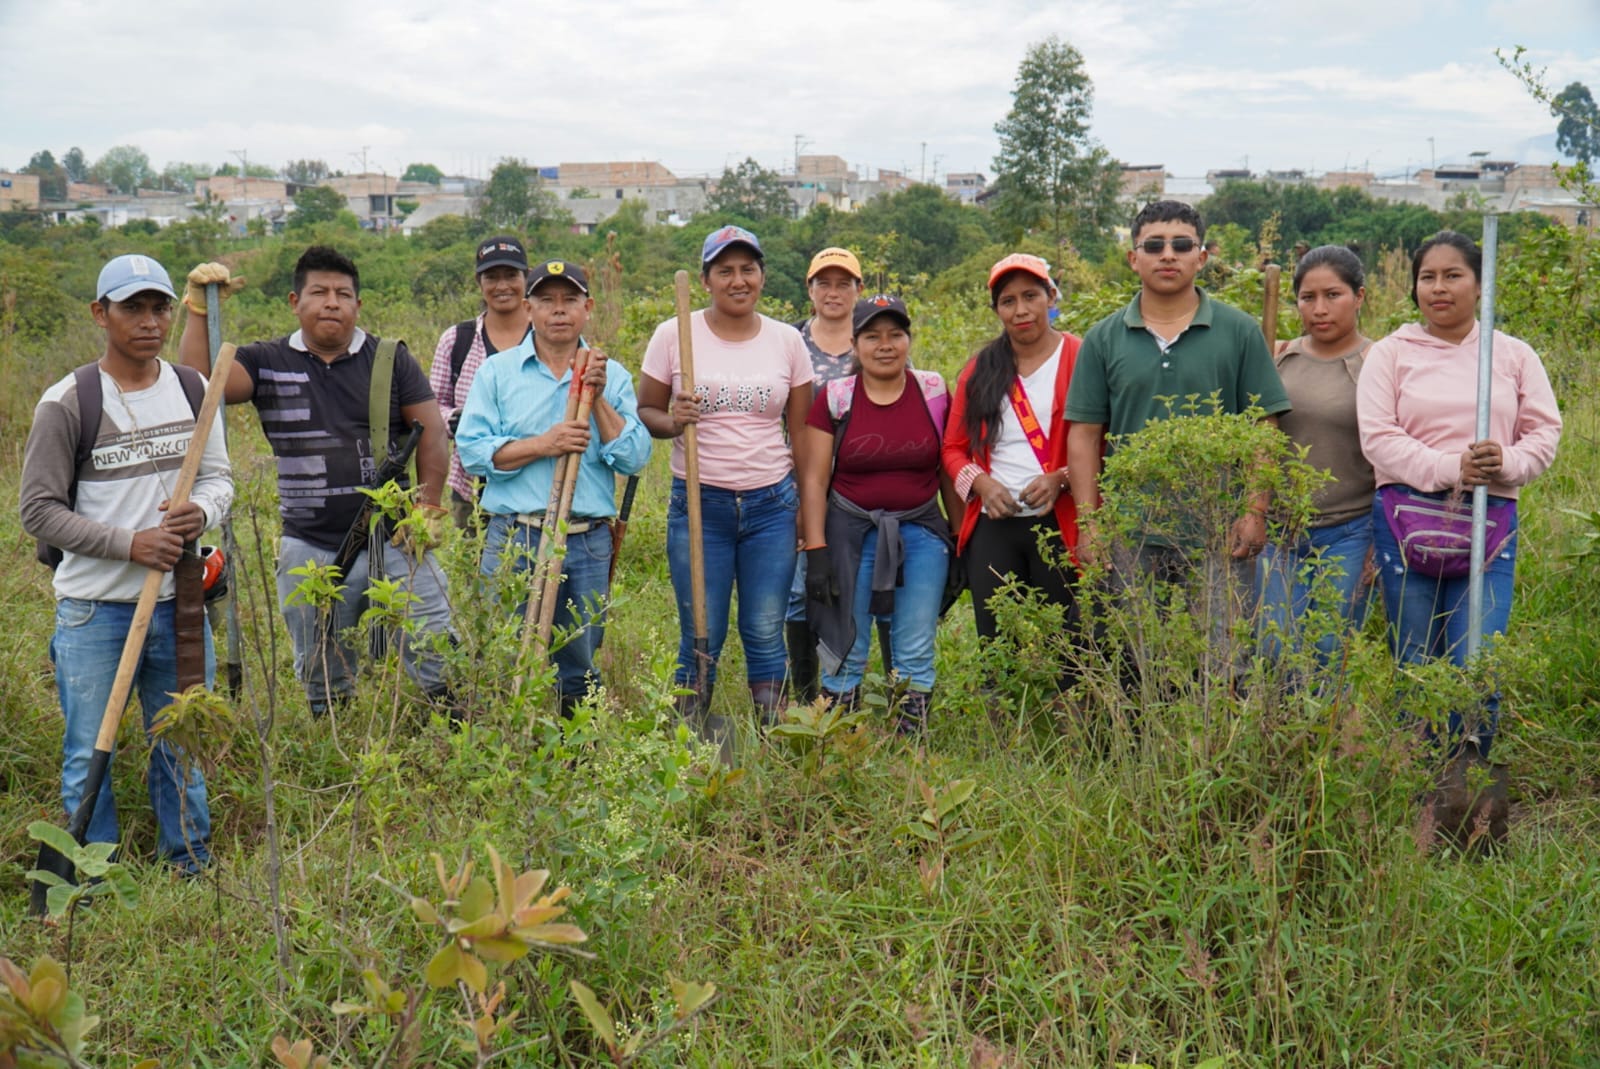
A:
<point x="752" y="381"/>
<point x="1416" y="406"/>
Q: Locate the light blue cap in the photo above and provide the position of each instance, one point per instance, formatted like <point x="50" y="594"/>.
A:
<point x="130" y="274"/>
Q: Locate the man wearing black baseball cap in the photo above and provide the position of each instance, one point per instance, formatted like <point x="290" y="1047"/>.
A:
<point x="513" y="431"/>
<point x="502" y="268"/>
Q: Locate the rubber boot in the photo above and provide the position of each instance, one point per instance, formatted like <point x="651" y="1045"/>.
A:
<point x="802" y="643"/>
<point x="708" y="726"/>
<point x="912" y="717"/>
<point x="768" y="696"/>
<point x="850" y="699"/>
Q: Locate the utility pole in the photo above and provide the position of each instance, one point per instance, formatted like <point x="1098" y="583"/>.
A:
<point x="924" y="177"/>
<point x="1432" y="164"/>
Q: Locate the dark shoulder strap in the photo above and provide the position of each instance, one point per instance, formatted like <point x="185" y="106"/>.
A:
<point x="380" y="397"/>
<point x="459" y="349"/>
<point x="194" y="387"/>
<point x="89" y="405"/>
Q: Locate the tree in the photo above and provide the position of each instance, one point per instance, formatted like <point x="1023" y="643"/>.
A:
<point x="1578" y="133"/>
<point x="254" y="170"/>
<point x="180" y="175"/>
<point x="125" y="168"/>
<point x="52" y="176"/>
<point x="318" y="204"/>
<point x="752" y="191"/>
<point x="1049" y="172"/>
<point x="513" y="200"/>
<point x="423" y="172"/>
<point x="305" y="172"/>
<point x="77" y="167"/>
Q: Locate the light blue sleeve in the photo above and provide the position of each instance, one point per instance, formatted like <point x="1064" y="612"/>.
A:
<point x="628" y="452"/>
<point x="481" y="432"/>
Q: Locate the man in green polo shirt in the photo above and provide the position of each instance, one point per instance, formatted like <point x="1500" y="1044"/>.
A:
<point x="1172" y="341"/>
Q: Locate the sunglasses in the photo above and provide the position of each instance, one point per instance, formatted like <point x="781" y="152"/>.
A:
<point x="1155" y="246"/>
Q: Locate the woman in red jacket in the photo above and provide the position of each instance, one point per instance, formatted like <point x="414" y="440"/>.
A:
<point x="1005" y="446"/>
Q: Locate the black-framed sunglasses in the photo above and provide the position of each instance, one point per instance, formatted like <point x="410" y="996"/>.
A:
<point x="1155" y="246"/>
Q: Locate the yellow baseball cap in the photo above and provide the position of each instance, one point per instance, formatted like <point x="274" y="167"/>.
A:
<point x="835" y="257"/>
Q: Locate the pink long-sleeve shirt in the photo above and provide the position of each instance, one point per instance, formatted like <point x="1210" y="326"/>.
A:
<point x="1416" y="405"/>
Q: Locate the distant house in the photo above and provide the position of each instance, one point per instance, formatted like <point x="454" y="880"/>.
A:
<point x="1143" y="181"/>
<point x="19" y="192"/>
<point x="965" y="186"/>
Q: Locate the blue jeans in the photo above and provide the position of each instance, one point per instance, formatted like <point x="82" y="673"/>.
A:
<point x="86" y="649"/>
<point x="317" y="639"/>
<point x="916" y="610"/>
<point x="1336" y="556"/>
<point x="1428" y="617"/>
<point x="581" y="598"/>
<point x="749" y="539"/>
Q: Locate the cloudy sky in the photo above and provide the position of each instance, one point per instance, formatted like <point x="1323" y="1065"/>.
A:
<point x="904" y="84"/>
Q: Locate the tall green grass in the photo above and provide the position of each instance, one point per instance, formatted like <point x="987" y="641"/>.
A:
<point x="1242" y="878"/>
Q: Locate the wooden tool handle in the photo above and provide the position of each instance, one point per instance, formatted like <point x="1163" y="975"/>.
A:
<point x="146" y="607"/>
<point x="691" y="462"/>
<point x="1269" y="306"/>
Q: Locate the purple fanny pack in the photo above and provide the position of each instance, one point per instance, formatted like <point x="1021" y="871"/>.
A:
<point x="1435" y="530"/>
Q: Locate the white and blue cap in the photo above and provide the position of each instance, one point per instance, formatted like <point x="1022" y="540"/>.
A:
<point x="130" y="274"/>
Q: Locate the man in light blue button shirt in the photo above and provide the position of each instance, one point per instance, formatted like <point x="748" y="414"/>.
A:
<point x="512" y="431"/>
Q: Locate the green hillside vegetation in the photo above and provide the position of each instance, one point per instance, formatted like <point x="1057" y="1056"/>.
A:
<point x="1242" y="881"/>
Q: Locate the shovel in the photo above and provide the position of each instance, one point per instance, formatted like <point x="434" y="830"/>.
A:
<point x="51" y="860"/>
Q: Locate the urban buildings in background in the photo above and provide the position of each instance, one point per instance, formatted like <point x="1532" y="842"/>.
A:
<point x="591" y="192"/>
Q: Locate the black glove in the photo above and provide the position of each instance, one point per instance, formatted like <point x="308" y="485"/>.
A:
<point x="821" y="585"/>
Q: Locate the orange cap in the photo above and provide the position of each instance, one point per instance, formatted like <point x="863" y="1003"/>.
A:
<point x="1036" y="266"/>
<point x="834" y="257"/>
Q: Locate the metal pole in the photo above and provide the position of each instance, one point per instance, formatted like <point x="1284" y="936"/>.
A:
<point x="234" y="670"/>
<point x="1480" y="494"/>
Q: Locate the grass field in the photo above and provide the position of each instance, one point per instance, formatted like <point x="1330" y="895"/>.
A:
<point x="1241" y="882"/>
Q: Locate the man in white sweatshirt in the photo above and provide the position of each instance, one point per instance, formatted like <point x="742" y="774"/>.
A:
<point x="108" y="513"/>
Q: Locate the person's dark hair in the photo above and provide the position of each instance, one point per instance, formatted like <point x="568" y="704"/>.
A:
<point x="1336" y="258"/>
<point x="323" y="258"/>
<point x="993" y="371"/>
<point x="1460" y="242"/>
<point x="1169" y="211"/>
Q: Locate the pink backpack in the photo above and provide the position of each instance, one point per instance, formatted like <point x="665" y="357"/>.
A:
<point x="842" y="392"/>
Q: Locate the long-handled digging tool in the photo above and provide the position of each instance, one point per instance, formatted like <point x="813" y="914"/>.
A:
<point x="235" y="668"/>
<point x="556" y="534"/>
<point x="1271" y="278"/>
<point x="544" y="556"/>
<point x="51" y="860"/>
<point x="715" y="727"/>
<point x="1480" y="431"/>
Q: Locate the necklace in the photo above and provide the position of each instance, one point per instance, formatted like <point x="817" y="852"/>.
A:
<point x="141" y="439"/>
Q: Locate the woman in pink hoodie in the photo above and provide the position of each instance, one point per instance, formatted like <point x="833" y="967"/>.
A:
<point x="1416" y="405"/>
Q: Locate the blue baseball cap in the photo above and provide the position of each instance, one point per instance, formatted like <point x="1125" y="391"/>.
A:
<point x="721" y="240"/>
<point x="130" y="274"/>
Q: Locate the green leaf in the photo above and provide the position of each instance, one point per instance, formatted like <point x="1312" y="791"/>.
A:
<point x="599" y="1019"/>
<point x="690" y="996"/>
<point x="445" y="968"/>
<point x="954" y="796"/>
<point x="54" y="837"/>
<point x="478" y="899"/>
<point x="60" y="898"/>
<point x="423" y="910"/>
<point x="921" y="831"/>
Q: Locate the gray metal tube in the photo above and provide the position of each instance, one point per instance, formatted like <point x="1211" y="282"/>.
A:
<point x="1480" y="494"/>
<point x="234" y="669"/>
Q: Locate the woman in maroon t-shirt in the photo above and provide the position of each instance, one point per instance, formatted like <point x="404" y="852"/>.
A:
<point x="877" y="545"/>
